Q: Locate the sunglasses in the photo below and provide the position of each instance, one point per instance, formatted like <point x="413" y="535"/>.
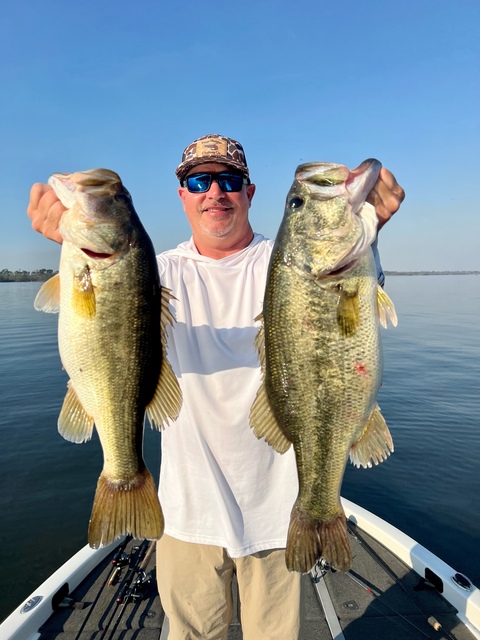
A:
<point x="201" y="182"/>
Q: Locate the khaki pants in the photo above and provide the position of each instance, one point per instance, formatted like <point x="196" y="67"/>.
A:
<point x="195" y="585"/>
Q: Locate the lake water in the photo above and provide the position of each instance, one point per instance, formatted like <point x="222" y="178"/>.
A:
<point x="430" y="399"/>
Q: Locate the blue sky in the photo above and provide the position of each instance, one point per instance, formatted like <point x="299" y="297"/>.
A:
<point x="127" y="85"/>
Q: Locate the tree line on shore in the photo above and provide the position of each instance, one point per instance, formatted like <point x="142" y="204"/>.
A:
<point x="41" y="275"/>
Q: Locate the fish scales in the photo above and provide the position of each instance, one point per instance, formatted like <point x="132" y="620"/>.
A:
<point x="115" y="354"/>
<point x="111" y="336"/>
<point x="321" y="357"/>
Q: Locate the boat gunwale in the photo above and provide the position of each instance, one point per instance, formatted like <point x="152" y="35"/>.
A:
<point x="25" y="625"/>
<point x="419" y="558"/>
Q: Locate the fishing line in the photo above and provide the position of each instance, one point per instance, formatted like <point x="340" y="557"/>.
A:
<point x="431" y="620"/>
<point x="377" y="596"/>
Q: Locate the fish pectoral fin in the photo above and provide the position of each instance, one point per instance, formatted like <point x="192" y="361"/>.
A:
<point x="348" y="312"/>
<point x="375" y="443"/>
<point x="125" y="507"/>
<point x="74" y="423"/>
<point x="386" y="309"/>
<point x="83" y="294"/>
<point x="167" y="399"/>
<point x="48" y="296"/>
<point x="264" y="423"/>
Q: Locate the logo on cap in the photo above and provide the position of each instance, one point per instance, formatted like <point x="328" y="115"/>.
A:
<point x="213" y="148"/>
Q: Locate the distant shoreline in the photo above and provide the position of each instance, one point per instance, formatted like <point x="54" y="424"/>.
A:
<point x="42" y="275"/>
<point x="431" y="273"/>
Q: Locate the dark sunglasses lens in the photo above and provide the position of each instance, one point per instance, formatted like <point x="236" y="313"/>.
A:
<point x="229" y="182"/>
<point x="199" y="183"/>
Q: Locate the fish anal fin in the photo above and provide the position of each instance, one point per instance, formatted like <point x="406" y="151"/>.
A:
<point x="386" y="309"/>
<point x="74" y="423"/>
<point x="348" y="312"/>
<point x="264" y="423"/>
<point x="375" y="443"/>
<point x="48" y="296"/>
<point x="309" y="540"/>
<point x="121" y="508"/>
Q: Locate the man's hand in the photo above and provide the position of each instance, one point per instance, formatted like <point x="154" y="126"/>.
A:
<point x="386" y="196"/>
<point x="45" y="211"/>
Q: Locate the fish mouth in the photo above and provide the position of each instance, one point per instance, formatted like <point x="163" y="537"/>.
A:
<point x="324" y="179"/>
<point x="95" y="255"/>
<point x="94" y="182"/>
<point x="327" y="180"/>
<point x="361" y="181"/>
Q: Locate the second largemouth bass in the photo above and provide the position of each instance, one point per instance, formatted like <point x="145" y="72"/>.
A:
<point x="319" y="346"/>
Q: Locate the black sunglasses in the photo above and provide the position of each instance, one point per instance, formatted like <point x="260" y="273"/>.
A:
<point x="201" y="182"/>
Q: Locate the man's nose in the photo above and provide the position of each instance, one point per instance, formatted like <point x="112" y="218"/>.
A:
<point x="215" y="191"/>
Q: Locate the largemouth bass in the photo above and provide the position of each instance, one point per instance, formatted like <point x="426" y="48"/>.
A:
<point x="319" y="347"/>
<point x="111" y="335"/>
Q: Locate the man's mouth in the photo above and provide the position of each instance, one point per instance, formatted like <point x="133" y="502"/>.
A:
<point x="217" y="210"/>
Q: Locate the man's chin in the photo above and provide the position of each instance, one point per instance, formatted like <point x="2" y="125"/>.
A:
<point x="219" y="229"/>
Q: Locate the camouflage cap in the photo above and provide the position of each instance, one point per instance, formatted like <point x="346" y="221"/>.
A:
<point x="213" y="148"/>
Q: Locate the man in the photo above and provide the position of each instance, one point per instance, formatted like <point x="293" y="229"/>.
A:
<point x="226" y="496"/>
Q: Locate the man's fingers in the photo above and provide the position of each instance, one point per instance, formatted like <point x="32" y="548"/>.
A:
<point x="386" y="196"/>
<point x="37" y="191"/>
<point x="45" y="211"/>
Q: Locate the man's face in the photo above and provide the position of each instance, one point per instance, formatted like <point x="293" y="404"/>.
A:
<point x="215" y="213"/>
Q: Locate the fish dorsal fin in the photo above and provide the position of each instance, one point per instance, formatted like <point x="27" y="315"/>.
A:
<point x="74" y="423"/>
<point x="167" y="400"/>
<point x="262" y="420"/>
<point x="375" y="443"/>
<point x="48" y="296"/>
<point x="386" y="309"/>
<point x="348" y="312"/>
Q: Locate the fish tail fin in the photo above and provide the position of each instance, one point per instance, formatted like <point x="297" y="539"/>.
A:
<point x="310" y="539"/>
<point x="121" y="508"/>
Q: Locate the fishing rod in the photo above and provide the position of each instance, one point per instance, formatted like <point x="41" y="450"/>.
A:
<point x="118" y="561"/>
<point x="356" y="578"/>
<point x="137" y="564"/>
<point x="432" y="621"/>
<point x="137" y="591"/>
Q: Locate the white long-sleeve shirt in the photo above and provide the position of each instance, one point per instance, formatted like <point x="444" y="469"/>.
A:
<point x="219" y="484"/>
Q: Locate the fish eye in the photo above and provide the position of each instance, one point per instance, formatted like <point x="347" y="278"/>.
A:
<point x="296" y="203"/>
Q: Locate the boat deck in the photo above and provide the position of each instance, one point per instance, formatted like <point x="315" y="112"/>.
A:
<point x="379" y="598"/>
